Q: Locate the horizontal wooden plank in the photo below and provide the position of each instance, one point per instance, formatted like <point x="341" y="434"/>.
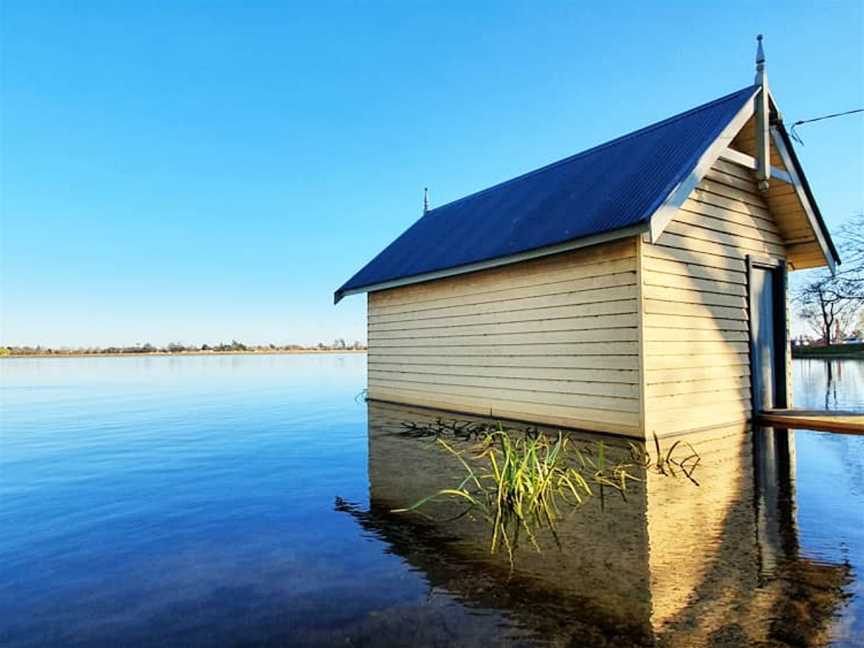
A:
<point x="732" y="193"/>
<point x="598" y="377"/>
<point x="792" y="220"/>
<point x="694" y="386"/>
<point x="707" y="322"/>
<point x="734" y="175"/>
<point x="687" y="406"/>
<point x="763" y="222"/>
<point x="623" y="340"/>
<point x="668" y="361"/>
<point x="513" y="346"/>
<point x="507" y="278"/>
<point x="626" y="304"/>
<point x="658" y="307"/>
<point x="508" y="293"/>
<point x="571" y="326"/>
<point x="680" y="250"/>
<point x="556" y="393"/>
<point x="519" y="349"/>
<point x="602" y="260"/>
<point x="730" y="168"/>
<point x="803" y="232"/>
<point x="806" y="251"/>
<point x="829" y="421"/>
<point x="701" y="399"/>
<point x="693" y="348"/>
<point x="674" y="421"/>
<point x="662" y="263"/>
<point x="730" y="226"/>
<point x="776" y="189"/>
<point x="559" y="403"/>
<point x="625" y="423"/>
<point x="704" y="249"/>
<point x="805" y="264"/>
<point x="577" y="321"/>
<point x="744" y="245"/>
<point x="529" y="334"/>
<point x="681" y="296"/>
<point x="682" y="282"/>
<point x="708" y="333"/>
<point x="525" y="359"/>
<point x="720" y="174"/>
<point x="785" y="201"/>
<point x="712" y="372"/>
<point x="717" y="200"/>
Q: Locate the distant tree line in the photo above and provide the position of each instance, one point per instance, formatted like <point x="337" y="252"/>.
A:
<point x="176" y="347"/>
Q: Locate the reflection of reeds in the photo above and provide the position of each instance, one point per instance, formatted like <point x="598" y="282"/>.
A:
<point x="668" y="464"/>
<point x="519" y="480"/>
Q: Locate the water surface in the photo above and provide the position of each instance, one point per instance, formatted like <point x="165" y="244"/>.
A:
<point x="245" y="500"/>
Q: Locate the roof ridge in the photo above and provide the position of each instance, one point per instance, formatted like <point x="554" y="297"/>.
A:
<point x="598" y="147"/>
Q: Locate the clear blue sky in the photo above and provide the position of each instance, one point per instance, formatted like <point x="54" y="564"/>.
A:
<point x="206" y="171"/>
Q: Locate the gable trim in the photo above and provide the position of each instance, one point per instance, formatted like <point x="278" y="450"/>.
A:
<point x="596" y="239"/>
<point x="802" y="190"/>
<point x="666" y="212"/>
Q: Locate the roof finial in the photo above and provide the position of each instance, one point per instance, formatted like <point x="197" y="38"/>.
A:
<point x="763" y="121"/>
<point x="425" y="200"/>
<point x="760" y="61"/>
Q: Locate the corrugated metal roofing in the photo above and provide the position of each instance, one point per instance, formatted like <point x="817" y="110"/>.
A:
<point x="610" y="187"/>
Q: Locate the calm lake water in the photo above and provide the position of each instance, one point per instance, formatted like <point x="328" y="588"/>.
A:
<point x="246" y="500"/>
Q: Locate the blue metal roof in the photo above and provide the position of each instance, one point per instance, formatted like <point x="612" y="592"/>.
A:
<point x="613" y="186"/>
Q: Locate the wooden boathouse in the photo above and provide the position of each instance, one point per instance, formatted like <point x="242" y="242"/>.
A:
<point x="636" y="288"/>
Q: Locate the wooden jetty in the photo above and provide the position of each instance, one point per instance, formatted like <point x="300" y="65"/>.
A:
<point x="825" y="420"/>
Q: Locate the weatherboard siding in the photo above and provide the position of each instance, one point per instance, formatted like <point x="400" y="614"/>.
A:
<point x="552" y="340"/>
<point x="695" y="304"/>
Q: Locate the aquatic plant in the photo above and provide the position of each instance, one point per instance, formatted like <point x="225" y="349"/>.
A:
<point x="668" y="463"/>
<point x="518" y="481"/>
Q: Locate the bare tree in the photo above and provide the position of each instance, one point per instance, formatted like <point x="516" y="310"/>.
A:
<point x="852" y="249"/>
<point x="832" y="304"/>
<point x="828" y="305"/>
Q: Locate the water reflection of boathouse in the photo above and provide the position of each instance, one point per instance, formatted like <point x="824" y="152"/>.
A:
<point x="674" y="564"/>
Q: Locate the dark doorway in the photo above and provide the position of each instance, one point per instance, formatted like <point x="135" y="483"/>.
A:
<point x="767" y="335"/>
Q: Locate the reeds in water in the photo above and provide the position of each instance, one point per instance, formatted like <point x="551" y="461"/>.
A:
<point x="519" y="482"/>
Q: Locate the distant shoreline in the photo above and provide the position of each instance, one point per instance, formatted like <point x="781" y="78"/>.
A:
<point x="830" y="352"/>
<point x="179" y="353"/>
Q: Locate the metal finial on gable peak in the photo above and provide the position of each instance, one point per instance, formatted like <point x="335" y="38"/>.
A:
<point x="425" y="200"/>
<point x="760" y="62"/>
<point x="762" y="121"/>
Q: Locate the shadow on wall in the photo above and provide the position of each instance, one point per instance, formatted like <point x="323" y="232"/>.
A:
<point x="695" y="288"/>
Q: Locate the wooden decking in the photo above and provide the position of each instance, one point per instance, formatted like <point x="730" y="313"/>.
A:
<point x="844" y="422"/>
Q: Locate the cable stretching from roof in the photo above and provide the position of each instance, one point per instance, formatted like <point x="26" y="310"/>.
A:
<point x="797" y="137"/>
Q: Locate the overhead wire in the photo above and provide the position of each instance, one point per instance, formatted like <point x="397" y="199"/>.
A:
<point x="793" y="133"/>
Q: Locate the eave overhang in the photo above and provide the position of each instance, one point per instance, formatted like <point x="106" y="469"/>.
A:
<point x="549" y="250"/>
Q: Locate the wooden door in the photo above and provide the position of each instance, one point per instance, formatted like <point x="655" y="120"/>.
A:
<point x="767" y="336"/>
